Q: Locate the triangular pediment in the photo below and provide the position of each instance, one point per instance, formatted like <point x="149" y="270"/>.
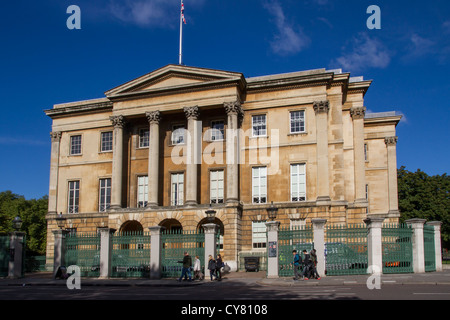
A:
<point x="173" y="78"/>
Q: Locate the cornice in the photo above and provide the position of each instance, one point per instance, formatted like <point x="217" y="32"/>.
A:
<point x="83" y="108"/>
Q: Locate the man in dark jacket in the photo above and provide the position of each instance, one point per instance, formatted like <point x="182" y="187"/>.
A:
<point x="297" y="262"/>
<point x="187" y="264"/>
<point x="306" y="264"/>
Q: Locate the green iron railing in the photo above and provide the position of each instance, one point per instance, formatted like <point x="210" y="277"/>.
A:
<point x="429" y="248"/>
<point x="174" y="244"/>
<point x="131" y="255"/>
<point x="397" y="248"/>
<point x="289" y="239"/>
<point x="346" y="249"/>
<point x="83" y="250"/>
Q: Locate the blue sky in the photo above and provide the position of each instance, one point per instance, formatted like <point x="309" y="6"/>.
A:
<point x="43" y="63"/>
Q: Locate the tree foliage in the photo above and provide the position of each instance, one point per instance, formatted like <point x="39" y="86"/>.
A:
<point x="32" y="212"/>
<point x="426" y="197"/>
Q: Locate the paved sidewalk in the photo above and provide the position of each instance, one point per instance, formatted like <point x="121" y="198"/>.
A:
<point x="46" y="279"/>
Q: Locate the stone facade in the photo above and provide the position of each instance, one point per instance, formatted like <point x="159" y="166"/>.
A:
<point x="159" y="149"/>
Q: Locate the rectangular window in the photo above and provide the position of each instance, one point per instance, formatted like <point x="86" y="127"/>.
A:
<point x="259" y="185"/>
<point x="177" y="189"/>
<point x="106" y="143"/>
<point x="216" y="186"/>
<point x="75" y="145"/>
<point x="297" y="121"/>
<point x="366" y="158"/>
<point x="178" y="134"/>
<point x="259" y="238"/>
<point x="218" y="129"/>
<point x="298" y="182"/>
<point x="73" y="196"/>
<point x="144" y="135"/>
<point x="259" y="125"/>
<point x="104" y="195"/>
<point x="142" y="191"/>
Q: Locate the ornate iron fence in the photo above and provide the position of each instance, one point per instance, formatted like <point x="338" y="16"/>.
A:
<point x="83" y="250"/>
<point x="131" y="255"/>
<point x="429" y="248"/>
<point x="289" y="239"/>
<point x="346" y="249"/>
<point x="397" y="248"/>
<point x="174" y="244"/>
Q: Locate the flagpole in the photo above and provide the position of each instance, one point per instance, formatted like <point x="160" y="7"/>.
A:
<point x="180" y="59"/>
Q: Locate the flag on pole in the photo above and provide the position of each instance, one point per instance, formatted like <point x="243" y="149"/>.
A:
<point x="182" y="12"/>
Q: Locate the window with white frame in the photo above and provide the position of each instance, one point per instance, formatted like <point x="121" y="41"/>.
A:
<point x="104" y="201"/>
<point x="297" y="121"/>
<point x="259" y="127"/>
<point x="73" y="196"/>
<point x="178" y="134"/>
<point x="298" y="182"/>
<point x="217" y="130"/>
<point x="259" y="185"/>
<point x="259" y="235"/>
<point x="106" y="143"/>
<point x="142" y="198"/>
<point x="177" y="189"/>
<point x="144" y="135"/>
<point x="75" y="145"/>
<point x="216" y="186"/>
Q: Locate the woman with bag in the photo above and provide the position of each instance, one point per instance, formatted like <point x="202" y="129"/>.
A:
<point x="219" y="265"/>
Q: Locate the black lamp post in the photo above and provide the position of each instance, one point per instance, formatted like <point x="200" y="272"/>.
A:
<point x="210" y="214"/>
<point x="17" y="223"/>
<point x="272" y="212"/>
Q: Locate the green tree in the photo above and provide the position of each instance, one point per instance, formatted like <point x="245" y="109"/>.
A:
<point x="426" y="197"/>
<point x="32" y="212"/>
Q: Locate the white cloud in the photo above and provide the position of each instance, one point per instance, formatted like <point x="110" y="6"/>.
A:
<point x="289" y="38"/>
<point x="364" y="53"/>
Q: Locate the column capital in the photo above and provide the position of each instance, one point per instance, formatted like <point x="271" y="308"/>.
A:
<point x="191" y="112"/>
<point x="118" y="121"/>
<point x="55" y="136"/>
<point x="153" y="116"/>
<point x="390" y="141"/>
<point x="358" y="112"/>
<point x="416" y="223"/>
<point x="318" y="222"/>
<point x="321" y="106"/>
<point x="273" y="225"/>
<point x="233" y="108"/>
<point x="374" y="222"/>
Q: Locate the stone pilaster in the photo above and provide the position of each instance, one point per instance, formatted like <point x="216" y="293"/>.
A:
<point x="391" y="145"/>
<point x="321" y="109"/>
<point x="194" y="132"/>
<point x="54" y="169"/>
<point x="116" y="181"/>
<point x="154" y="118"/>
<point x="233" y="110"/>
<point x="358" y="114"/>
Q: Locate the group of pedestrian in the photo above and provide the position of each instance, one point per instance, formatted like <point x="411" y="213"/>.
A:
<point x="214" y="267"/>
<point x="308" y="265"/>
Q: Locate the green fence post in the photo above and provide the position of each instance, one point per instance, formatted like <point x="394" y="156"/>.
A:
<point x="155" y="252"/>
<point x="211" y="230"/>
<point x="272" y="257"/>
<point x="59" y="249"/>
<point x="16" y="254"/>
<point x="374" y="244"/>
<point x="319" y="244"/>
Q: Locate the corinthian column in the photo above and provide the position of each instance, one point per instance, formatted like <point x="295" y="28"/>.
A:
<point x="154" y="118"/>
<point x="194" y="132"/>
<point x="357" y="114"/>
<point x="321" y="109"/>
<point x="116" y="181"/>
<point x="233" y="110"/>
<point x="54" y="168"/>
<point x="391" y="144"/>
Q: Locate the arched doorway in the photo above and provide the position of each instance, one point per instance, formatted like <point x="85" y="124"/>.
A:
<point x="131" y="226"/>
<point x="171" y="225"/>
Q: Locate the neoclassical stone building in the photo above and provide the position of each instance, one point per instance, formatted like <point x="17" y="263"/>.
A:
<point x="160" y="149"/>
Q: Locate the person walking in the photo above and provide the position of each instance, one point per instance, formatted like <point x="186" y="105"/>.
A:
<point x="219" y="265"/>
<point x="212" y="267"/>
<point x="314" y="272"/>
<point x="187" y="264"/>
<point x="306" y="265"/>
<point x="296" y="263"/>
<point x="198" y="269"/>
